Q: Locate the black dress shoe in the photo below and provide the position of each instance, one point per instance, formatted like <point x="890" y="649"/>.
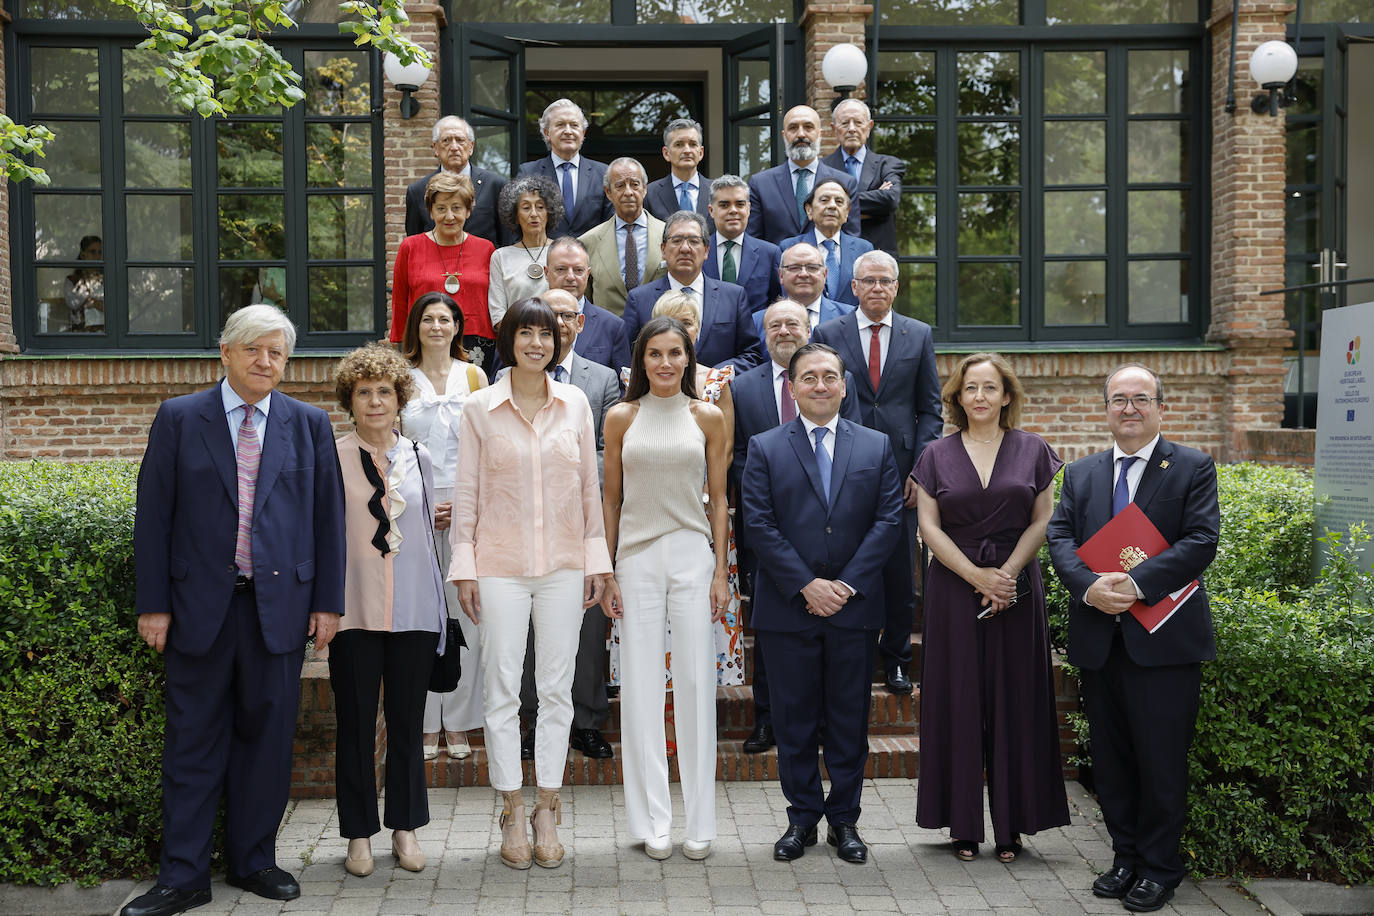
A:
<point x="897" y="680"/>
<point x="590" y="742"/>
<point x="527" y="745"/>
<point x="793" y="843"/>
<point x="1114" y="883"/>
<point x="845" y="839"/>
<point x="166" y="901"/>
<point x="760" y="739"/>
<point x="1146" y="896"/>
<point x="270" y="882"/>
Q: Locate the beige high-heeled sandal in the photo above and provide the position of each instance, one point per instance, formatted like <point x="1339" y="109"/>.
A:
<point x="515" y="846"/>
<point x="548" y="852"/>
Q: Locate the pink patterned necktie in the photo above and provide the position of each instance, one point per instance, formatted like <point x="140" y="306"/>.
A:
<point x="788" y="410"/>
<point x="247" y="453"/>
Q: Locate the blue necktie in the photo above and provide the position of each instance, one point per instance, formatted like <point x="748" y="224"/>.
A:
<point x="569" y="199"/>
<point x="822" y="460"/>
<point x="560" y="374"/>
<point x="852" y="165"/>
<point x="684" y="199"/>
<point x="803" y="188"/>
<point x="1121" y="496"/>
<point x="832" y="267"/>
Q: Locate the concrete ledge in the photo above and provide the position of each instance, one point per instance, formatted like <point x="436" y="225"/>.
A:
<point x="65" y="899"/>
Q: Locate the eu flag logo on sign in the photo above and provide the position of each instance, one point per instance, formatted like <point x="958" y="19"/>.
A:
<point x="1350" y="416"/>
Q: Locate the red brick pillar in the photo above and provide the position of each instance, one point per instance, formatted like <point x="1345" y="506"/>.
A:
<point x="825" y="24"/>
<point x="1247" y="245"/>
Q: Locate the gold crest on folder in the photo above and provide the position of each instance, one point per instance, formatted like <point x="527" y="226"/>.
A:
<point x="1131" y="557"/>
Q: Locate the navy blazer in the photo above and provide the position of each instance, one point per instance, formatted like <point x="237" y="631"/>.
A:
<point x="727" y="335"/>
<point x="830" y="310"/>
<point x="850" y="247"/>
<point x="603" y="339"/>
<point x="186" y="522"/>
<point x="909" y="411"/>
<point x="483" y="222"/>
<point x="799" y="536"/>
<point x="877" y="208"/>
<point x="756" y="269"/>
<point x="773" y="202"/>
<point x="592" y="206"/>
<point x="660" y="198"/>
<point x="1178" y="494"/>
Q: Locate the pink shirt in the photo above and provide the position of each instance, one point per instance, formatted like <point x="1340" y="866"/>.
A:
<point x="527" y="500"/>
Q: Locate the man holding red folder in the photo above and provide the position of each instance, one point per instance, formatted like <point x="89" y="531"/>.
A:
<point x="1140" y="689"/>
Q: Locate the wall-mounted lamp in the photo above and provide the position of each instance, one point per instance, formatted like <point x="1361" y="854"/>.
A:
<point x="407" y="78"/>
<point x="844" y="68"/>
<point x="1272" y="65"/>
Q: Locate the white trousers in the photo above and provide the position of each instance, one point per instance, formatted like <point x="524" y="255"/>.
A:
<point x="668" y="581"/>
<point x="554" y="604"/>
<point x="460" y="709"/>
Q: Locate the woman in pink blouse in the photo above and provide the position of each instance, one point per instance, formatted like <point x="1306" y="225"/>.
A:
<point x="528" y="546"/>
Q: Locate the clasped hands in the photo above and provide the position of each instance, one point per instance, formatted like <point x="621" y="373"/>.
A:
<point x="996" y="586"/>
<point x="825" y="597"/>
<point x="1113" y="593"/>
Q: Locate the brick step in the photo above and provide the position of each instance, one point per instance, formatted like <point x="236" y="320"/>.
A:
<point x="915" y="673"/>
<point x="888" y="755"/>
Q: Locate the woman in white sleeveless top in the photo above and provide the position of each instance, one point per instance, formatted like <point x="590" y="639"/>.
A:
<point x="433" y="342"/>
<point x="660" y="442"/>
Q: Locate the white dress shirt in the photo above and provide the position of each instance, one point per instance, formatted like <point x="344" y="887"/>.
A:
<point x="884" y="337"/>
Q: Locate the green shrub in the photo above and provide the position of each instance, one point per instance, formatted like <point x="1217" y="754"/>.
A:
<point x="81" y="712"/>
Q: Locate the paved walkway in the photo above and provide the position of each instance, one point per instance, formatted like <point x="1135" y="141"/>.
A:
<point x="910" y="870"/>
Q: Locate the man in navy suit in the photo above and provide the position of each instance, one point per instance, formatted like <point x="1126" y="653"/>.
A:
<point x="822" y="506"/>
<point x="602" y="336"/>
<point x="828" y="207"/>
<point x="1140" y="689"/>
<point x="879" y="176"/>
<point x="453" y="146"/>
<point x="736" y="256"/>
<point x="899" y="394"/>
<point x="763" y="400"/>
<point x="803" y="274"/>
<point x="239" y="553"/>
<point x="683" y="188"/>
<point x="727" y="335"/>
<point x="582" y="181"/>
<point x="777" y="196"/>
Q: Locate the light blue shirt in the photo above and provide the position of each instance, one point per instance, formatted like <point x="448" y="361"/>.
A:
<point x="234" y="407"/>
<point x="641" y="241"/>
<point x="693" y="188"/>
<point x="572" y="172"/>
<point x="860" y="155"/>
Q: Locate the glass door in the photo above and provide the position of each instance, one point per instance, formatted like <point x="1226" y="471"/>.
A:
<point x="491" y="96"/>
<point x="753" y="100"/>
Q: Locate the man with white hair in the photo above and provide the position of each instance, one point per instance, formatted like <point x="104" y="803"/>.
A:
<point x="582" y="181"/>
<point x="453" y="143"/>
<point x="879" y="176"/>
<point x="777" y="196"/>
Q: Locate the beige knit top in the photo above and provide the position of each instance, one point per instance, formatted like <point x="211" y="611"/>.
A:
<point x="663" y="462"/>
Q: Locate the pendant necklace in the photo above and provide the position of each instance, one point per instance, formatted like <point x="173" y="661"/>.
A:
<point x="536" y="270"/>
<point x="984" y="441"/>
<point x="453" y="277"/>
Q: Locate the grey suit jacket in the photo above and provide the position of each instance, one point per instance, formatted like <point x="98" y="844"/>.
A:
<point x="602" y="388"/>
<point x="607" y="287"/>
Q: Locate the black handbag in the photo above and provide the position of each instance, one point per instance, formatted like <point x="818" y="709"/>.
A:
<point x="448" y="665"/>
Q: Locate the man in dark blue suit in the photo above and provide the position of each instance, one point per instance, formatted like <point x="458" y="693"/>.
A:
<point x="1140" y="689"/>
<point x="602" y="338"/>
<point x="803" y="273"/>
<point x="763" y="400"/>
<point x="582" y="181"/>
<point x="683" y="188"/>
<point x="828" y="207"/>
<point x="777" y="196"/>
<point x="879" y="176"/>
<point x="453" y="146"/>
<point x="736" y="256"/>
<point x="239" y="553"/>
<point x="727" y="335"/>
<point x="822" y="506"/>
<point x="899" y="394"/>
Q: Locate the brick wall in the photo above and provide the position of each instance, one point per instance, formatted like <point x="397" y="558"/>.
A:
<point x="312" y="766"/>
<point x="824" y="25"/>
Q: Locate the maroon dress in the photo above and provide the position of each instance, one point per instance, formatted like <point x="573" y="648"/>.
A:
<point x="987" y="689"/>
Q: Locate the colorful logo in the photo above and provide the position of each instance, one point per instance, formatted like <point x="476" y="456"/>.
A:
<point x="1352" y="352"/>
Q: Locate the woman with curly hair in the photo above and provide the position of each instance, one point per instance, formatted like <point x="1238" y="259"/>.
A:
<point x="394" y="614"/>
<point x="530" y="205"/>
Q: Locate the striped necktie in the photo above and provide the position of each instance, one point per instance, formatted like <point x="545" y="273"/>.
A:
<point x="248" y="454"/>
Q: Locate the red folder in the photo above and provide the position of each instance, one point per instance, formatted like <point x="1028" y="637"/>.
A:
<point x="1122" y="544"/>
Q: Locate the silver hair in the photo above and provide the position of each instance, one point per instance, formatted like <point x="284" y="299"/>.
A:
<point x="553" y="106"/>
<point x="686" y="216"/>
<point x="726" y="181"/>
<point x="835" y="115"/>
<point x="877" y="257"/>
<point x="445" y="121"/>
<point x="616" y="163"/>
<point x="678" y="124"/>
<point x="253" y="321"/>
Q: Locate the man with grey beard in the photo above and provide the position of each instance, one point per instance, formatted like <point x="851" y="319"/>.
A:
<point x="777" y="196"/>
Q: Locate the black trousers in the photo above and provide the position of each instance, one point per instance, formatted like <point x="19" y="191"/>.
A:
<point x="1140" y="725"/>
<point x="894" y="646"/>
<point x="359" y="662"/>
<point x="231" y="717"/>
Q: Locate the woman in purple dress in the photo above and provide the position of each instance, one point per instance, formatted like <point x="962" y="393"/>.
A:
<point x="987" y="689"/>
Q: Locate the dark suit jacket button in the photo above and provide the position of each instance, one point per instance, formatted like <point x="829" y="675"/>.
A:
<point x="229" y="569"/>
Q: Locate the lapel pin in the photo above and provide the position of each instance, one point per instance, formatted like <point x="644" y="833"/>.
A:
<point x="1163" y="464"/>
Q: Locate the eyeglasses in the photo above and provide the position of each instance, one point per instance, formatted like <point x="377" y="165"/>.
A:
<point x="870" y="282"/>
<point x="691" y="241"/>
<point x="566" y="317"/>
<point x="804" y="268"/>
<point x="1140" y="402"/>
